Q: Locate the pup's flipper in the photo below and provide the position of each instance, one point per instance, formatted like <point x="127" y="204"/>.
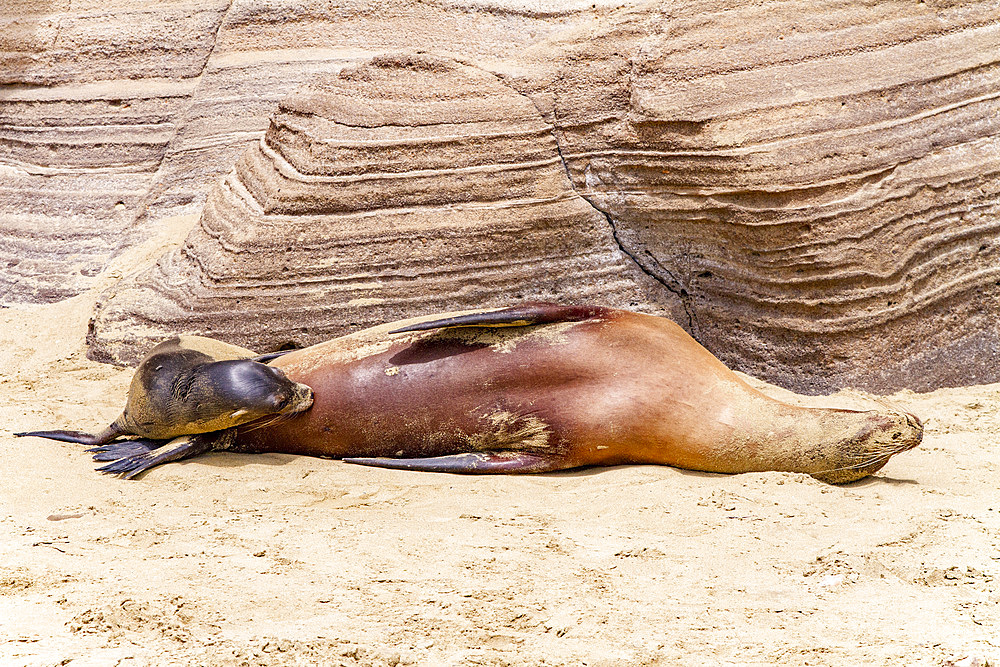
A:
<point x="78" y="437"/>
<point x="270" y="356"/>
<point x="474" y="463"/>
<point x="124" y="448"/>
<point x="184" y="447"/>
<point x="517" y="316"/>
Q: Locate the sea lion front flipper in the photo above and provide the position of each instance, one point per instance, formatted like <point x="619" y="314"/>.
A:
<point x="124" y="448"/>
<point x="475" y="463"/>
<point x="270" y="356"/>
<point x="517" y="316"/>
<point x="183" y="447"/>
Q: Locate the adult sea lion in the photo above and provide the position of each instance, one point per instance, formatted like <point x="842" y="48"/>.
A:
<point x="186" y="396"/>
<point x="544" y="387"/>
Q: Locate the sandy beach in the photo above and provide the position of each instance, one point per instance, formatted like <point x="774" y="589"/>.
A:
<point x="811" y="189"/>
<point x="233" y="559"/>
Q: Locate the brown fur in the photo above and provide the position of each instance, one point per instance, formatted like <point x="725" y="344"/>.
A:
<point x="606" y="387"/>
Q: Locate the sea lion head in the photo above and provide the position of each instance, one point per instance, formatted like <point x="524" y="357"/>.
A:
<point x="255" y="390"/>
<point x="882" y="434"/>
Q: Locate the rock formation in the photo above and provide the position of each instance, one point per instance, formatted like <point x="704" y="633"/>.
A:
<point x="90" y="102"/>
<point x="118" y="115"/>
<point x="810" y="188"/>
<point x="820" y="183"/>
<point x="411" y="184"/>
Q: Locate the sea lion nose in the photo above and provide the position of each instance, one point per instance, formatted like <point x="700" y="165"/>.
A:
<point x="307" y="397"/>
<point x="918" y="427"/>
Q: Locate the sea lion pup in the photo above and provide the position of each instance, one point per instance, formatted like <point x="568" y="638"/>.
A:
<point x="186" y="396"/>
<point x="544" y="387"/>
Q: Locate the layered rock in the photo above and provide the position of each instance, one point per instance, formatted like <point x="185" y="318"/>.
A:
<point x="118" y="115"/>
<point x="265" y="51"/>
<point x="815" y="183"/>
<point x="408" y="185"/>
<point x="820" y="183"/>
<point x="89" y="102"/>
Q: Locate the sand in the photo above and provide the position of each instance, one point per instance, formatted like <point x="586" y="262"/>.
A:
<point x="270" y="559"/>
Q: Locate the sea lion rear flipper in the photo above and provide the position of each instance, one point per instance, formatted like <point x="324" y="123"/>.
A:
<point x="125" y="448"/>
<point x="517" y="316"/>
<point x="478" y="463"/>
<point x="78" y="437"/>
<point x="183" y="447"/>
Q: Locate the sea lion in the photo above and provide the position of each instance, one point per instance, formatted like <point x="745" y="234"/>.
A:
<point x="544" y="387"/>
<point x="186" y="396"/>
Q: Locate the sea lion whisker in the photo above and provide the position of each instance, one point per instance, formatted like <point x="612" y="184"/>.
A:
<point x="270" y="421"/>
<point x="864" y="463"/>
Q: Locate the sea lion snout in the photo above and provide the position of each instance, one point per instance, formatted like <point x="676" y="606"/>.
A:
<point x="288" y="396"/>
<point x="256" y="387"/>
<point x="916" y="425"/>
<point x="299" y="400"/>
<point x="896" y="430"/>
<point x="907" y="431"/>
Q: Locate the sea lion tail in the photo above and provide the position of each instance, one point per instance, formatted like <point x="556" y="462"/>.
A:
<point x="474" y="463"/>
<point x="524" y="315"/>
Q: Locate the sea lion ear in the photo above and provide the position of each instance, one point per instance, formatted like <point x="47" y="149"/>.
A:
<point x="525" y="315"/>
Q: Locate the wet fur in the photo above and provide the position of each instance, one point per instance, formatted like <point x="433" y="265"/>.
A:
<point x="189" y="386"/>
